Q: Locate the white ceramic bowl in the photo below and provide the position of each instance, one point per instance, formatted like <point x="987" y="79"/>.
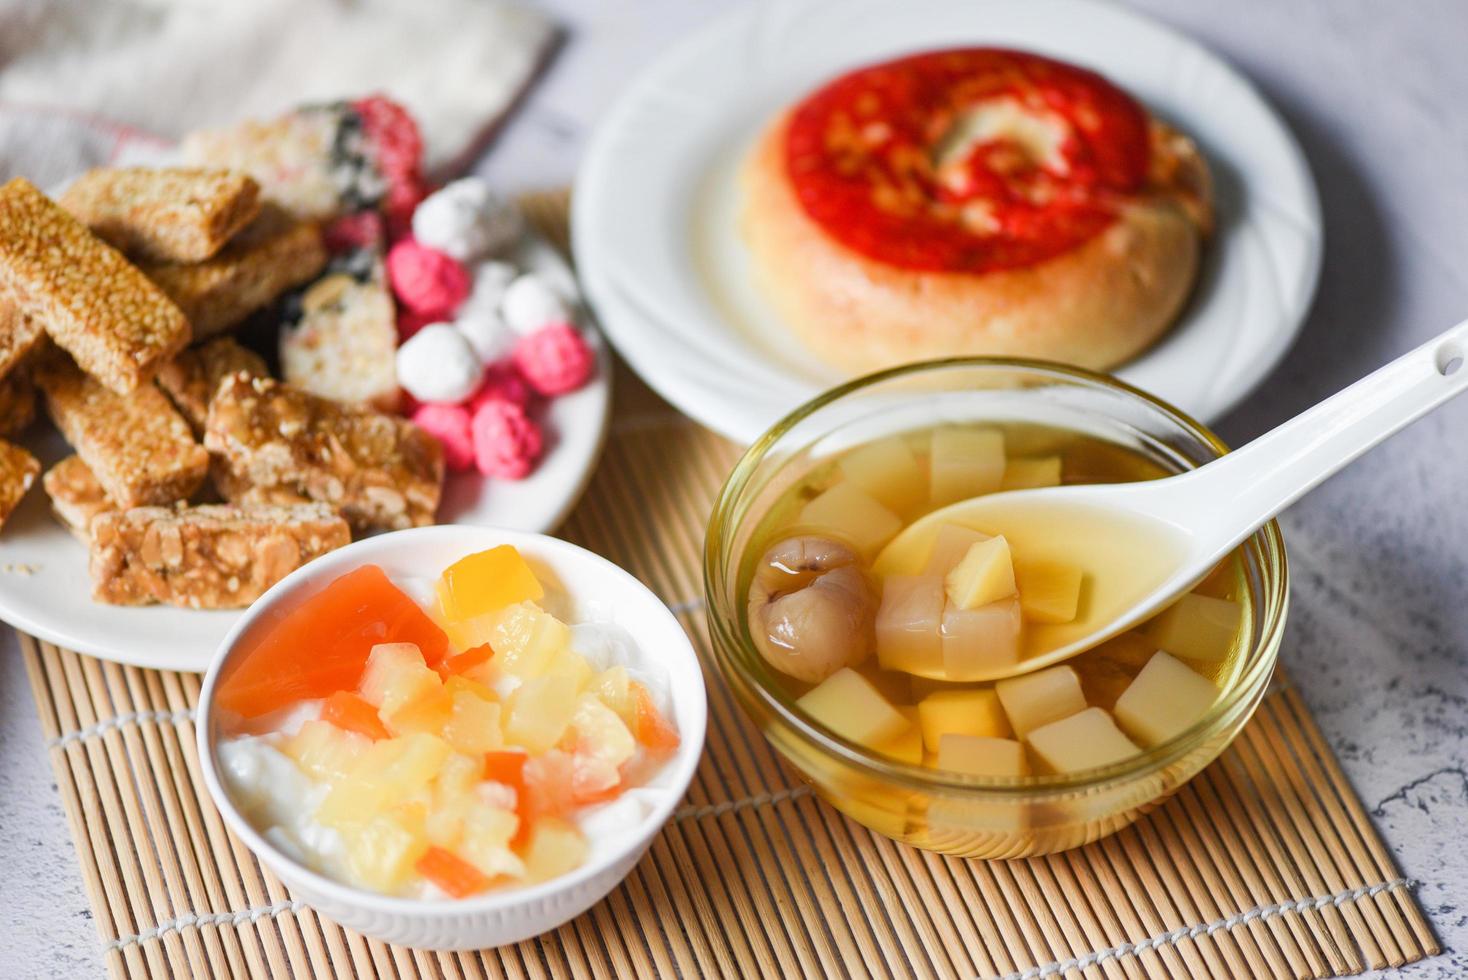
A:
<point x="501" y="917"/>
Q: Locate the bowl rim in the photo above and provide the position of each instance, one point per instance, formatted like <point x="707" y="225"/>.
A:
<point x="684" y="762"/>
<point x="1268" y="542"/>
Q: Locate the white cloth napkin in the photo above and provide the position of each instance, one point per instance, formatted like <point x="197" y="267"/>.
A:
<point x="80" y="80"/>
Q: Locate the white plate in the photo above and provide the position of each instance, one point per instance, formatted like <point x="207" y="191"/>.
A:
<point x="45" y="589"/>
<point x="656" y="238"/>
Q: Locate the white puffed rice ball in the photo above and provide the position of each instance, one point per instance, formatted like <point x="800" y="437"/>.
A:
<point x="531" y="302"/>
<point x="437" y="364"/>
<point x="491" y="279"/>
<point x="466" y="220"/>
<point x="486" y="332"/>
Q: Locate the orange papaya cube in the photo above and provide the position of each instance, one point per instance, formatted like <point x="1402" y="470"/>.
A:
<point x="452" y="873"/>
<point x="651" y="728"/>
<point x="347" y="711"/>
<point x="484" y="582"/>
<point x="321" y="646"/>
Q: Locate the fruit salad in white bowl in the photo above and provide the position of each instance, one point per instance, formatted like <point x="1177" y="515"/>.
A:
<point x="452" y="737"/>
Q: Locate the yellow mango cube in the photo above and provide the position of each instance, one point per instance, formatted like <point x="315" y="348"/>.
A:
<point x="526" y="639"/>
<point x="979" y="755"/>
<point x="1049" y="591"/>
<point x="963" y="711"/>
<point x="1082" y="741"/>
<point x="950" y="544"/>
<point x="907" y="747"/>
<point x="473" y="724"/>
<point x="555" y="847"/>
<point x="852" y="515"/>
<point x="323" y="751"/>
<point x="850" y="706"/>
<point x="1031" y="473"/>
<point x="540" y="710"/>
<point x="1166" y="699"/>
<point x="1197" y="627"/>
<point x="977" y="643"/>
<point x="1033" y="700"/>
<point x="485" y="581"/>
<point x="889" y="473"/>
<point x="965" y="463"/>
<point x="908" y="623"/>
<point x="985" y="574"/>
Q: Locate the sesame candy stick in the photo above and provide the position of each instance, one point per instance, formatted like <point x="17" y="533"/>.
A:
<point x="169" y="214"/>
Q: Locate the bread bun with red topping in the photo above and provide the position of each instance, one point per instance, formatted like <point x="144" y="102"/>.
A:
<point x="975" y="201"/>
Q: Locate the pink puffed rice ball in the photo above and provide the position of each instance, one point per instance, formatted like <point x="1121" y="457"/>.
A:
<point x="506" y="441"/>
<point x="425" y="280"/>
<point x="449" y="424"/>
<point x="555" y="359"/>
<point x="502" y="383"/>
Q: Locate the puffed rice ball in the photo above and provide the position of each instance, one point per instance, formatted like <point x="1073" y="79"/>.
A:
<point x="437" y="364"/>
<point x="531" y="302"/>
<point x="467" y="220"/>
<point x="486" y="332"/>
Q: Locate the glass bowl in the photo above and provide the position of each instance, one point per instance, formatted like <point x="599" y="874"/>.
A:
<point x="974" y="816"/>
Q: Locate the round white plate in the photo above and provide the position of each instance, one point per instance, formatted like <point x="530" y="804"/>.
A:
<point x="655" y="211"/>
<point x="46" y="591"/>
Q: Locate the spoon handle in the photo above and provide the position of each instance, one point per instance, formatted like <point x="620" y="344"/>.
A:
<point x="1247" y="487"/>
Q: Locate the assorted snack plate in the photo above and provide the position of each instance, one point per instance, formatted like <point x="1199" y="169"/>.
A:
<point x="660" y="217"/>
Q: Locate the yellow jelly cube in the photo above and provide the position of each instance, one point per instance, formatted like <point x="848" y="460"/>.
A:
<point x="323" y="751"/>
<point x="473" y="724"/>
<point x="963" y="711"/>
<point x="539" y="712"/>
<point x="555" y="847"/>
<point x="850" y="706"/>
<point x="1166" y="699"/>
<point x="908" y="623"/>
<point x="1049" y="591"/>
<point x="950" y="544"/>
<point x="979" y="755"/>
<point x="526" y="639"/>
<point x="978" y="643"/>
<point x="1082" y="741"/>
<point x="965" y="463"/>
<point x="984" y="575"/>
<point x="1031" y="474"/>
<point x="907" y="747"/>
<point x="486" y="581"/>
<point x="1197" y="627"/>
<point x="1032" y="700"/>
<point x="381" y="852"/>
<point x="889" y="472"/>
<point x="851" y="514"/>
<point x="395" y="674"/>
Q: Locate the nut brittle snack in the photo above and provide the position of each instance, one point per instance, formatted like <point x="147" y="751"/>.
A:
<point x="191" y="378"/>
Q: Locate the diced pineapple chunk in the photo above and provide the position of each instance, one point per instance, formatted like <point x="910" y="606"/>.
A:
<point x="907" y="747"/>
<point x="473" y="725"/>
<point x="600" y="733"/>
<point x="1031" y="474"/>
<point x="1032" y="700"/>
<point x="965" y="711"/>
<point x="1164" y="700"/>
<point x="1082" y="741"/>
<point x="978" y="643"/>
<point x="381" y="852"/>
<point x="484" y="840"/>
<point x="457" y="777"/>
<point x="984" y="575"/>
<point x="1197" y="627"/>
<point x="965" y="463"/>
<point x="427" y="713"/>
<point x="613" y="686"/>
<point x="555" y="847"/>
<point x="889" y="473"/>
<point x="323" y="751"/>
<point x="572" y="666"/>
<point x="485" y="581"/>
<point x="850" y="706"/>
<point x="463" y="682"/>
<point x="1049" y="591"/>
<point x="395" y="674"/>
<point x="978" y="755"/>
<point x="850" y="512"/>
<point x="389" y="771"/>
<point x="526" y="639"/>
<point x="908" y="623"/>
<point x="539" y="712"/>
<point x="950" y="544"/>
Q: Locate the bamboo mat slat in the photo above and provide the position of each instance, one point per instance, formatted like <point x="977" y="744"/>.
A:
<point x="1266" y="865"/>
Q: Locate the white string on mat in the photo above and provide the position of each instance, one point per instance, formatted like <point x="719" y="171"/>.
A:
<point x="729" y="806"/>
<point x="118" y="721"/>
<point x="191" y="921"/>
<point x="1259" y="912"/>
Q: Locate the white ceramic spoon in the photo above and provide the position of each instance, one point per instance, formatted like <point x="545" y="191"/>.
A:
<point x="1143" y="544"/>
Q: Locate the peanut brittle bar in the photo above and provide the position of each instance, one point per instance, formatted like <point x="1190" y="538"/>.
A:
<point x="213" y="556"/>
<point x="18" y="470"/>
<point x="169" y="214"/>
<point x="140" y="449"/>
<point x="19" y="335"/>
<point x="76" y="496"/>
<point x="381" y="471"/>
<point x="339" y="336"/>
<point x="274" y="254"/>
<point x="117" y="324"/>
<point x="191" y="378"/>
<point x="17" y="403"/>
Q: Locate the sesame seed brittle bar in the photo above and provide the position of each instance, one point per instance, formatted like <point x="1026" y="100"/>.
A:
<point x="274" y="254"/>
<point x="192" y="378"/>
<point x="139" y="448"/>
<point x="117" y="324"/>
<point x="76" y="496"/>
<point x="19" y="335"/>
<point x="213" y="556"/>
<point x="382" y="471"/>
<point x="17" y="403"/>
<point x="170" y="214"/>
<point x="18" y="470"/>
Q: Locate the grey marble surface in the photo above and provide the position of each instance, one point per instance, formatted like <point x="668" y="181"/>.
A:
<point x="1378" y="636"/>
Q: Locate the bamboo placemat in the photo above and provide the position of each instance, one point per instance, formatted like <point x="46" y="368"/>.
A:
<point x="1264" y="866"/>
